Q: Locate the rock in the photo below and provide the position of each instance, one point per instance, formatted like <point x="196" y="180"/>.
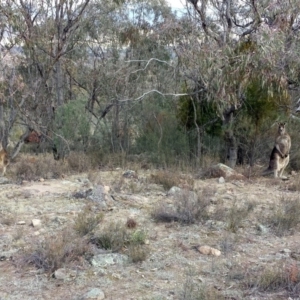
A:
<point x="130" y="174"/>
<point x="174" y="190"/>
<point x="21" y="223"/>
<point x="98" y="195"/>
<point x="94" y="294"/>
<point x="83" y="194"/>
<point x="60" y="274"/>
<point x="262" y="229"/>
<point x="4" y="180"/>
<point x="221" y="180"/>
<point x="103" y="260"/>
<point x="41" y="180"/>
<point x="221" y="170"/>
<point x="207" y="250"/>
<point x="36" y="223"/>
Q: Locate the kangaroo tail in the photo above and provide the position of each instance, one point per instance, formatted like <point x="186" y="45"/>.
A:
<point x="267" y="171"/>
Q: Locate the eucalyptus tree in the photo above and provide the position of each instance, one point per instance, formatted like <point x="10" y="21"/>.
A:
<point x="127" y="66"/>
<point x="227" y="45"/>
<point x="42" y="34"/>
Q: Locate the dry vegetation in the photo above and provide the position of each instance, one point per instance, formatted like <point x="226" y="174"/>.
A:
<point x="254" y="223"/>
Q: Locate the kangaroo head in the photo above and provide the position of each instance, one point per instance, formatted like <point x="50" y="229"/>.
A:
<point x="281" y="127"/>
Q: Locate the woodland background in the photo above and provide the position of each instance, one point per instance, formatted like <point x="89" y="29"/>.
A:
<point x="135" y="80"/>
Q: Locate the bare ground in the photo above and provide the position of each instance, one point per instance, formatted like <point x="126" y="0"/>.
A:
<point x="173" y="267"/>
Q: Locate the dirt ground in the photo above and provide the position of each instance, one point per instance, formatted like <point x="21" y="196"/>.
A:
<point x="174" y="268"/>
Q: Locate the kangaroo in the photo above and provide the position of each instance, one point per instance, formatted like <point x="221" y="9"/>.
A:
<point x="280" y="156"/>
<point x="4" y="160"/>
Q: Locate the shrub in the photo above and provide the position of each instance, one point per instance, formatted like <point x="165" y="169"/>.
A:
<point x="87" y="221"/>
<point x="113" y="237"/>
<point x="137" y="253"/>
<point x="79" y="162"/>
<point x="56" y="251"/>
<point x="188" y="208"/>
<point x="40" y="166"/>
<point x="166" y="179"/>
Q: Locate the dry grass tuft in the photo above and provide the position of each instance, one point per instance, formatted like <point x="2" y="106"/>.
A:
<point x="169" y="179"/>
<point x="112" y="237"/>
<point x="35" y="167"/>
<point x="79" y="162"/>
<point x="193" y="290"/>
<point x="87" y="221"/>
<point x="276" y="278"/>
<point x="57" y="251"/>
<point x="286" y="216"/>
<point x="237" y="215"/>
<point x="188" y="208"/>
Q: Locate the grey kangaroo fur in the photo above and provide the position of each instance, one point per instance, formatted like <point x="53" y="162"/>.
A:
<point x="280" y="155"/>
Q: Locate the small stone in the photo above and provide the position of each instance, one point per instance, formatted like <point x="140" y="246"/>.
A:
<point x="21" y="223"/>
<point x="36" y="223"/>
<point x="221" y="180"/>
<point x="60" y="274"/>
<point x="174" y="190"/>
<point x="130" y="174"/>
<point x="207" y="250"/>
<point x="41" y="180"/>
<point x="94" y="294"/>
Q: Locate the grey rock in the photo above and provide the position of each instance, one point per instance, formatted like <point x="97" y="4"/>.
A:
<point x="130" y="174"/>
<point x="95" y="294"/>
<point x="174" y="190"/>
<point x="83" y="194"/>
<point x="4" y="180"/>
<point x="103" y="260"/>
<point x="221" y="180"/>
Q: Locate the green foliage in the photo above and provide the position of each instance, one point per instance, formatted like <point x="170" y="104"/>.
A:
<point x="205" y="116"/>
<point x="162" y="139"/>
<point x="72" y="126"/>
<point x="264" y="103"/>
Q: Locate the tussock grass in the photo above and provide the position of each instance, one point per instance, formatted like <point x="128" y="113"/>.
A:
<point x="188" y="208"/>
<point x="87" y="221"/>
<point x="56" y="251"/>
<point x="116" y="237"/>
<point x="193" y="290"/>
<point x="276" y="278"/>
<point x="286" y="216"/>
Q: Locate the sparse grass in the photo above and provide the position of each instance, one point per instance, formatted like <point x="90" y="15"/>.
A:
<point x="87" y="221"/>
<point x="137" y="253"/>
<point x="112" y="237"/>
<point x="188" y="208"/>
<point x="276" y="278"/>
<point x="79" y="162"/>
<point x="166" y="179"/>
<point x="7" y="219"/>
<point x="198" y="291"/>
<point x="116" y="237"/>
<point x="169" y="179"/>
<point x="237" y="215"/>
<point x="138" y="237"/>
<point x="35" y="167"/>
<point x="29" y="167"/>
<point x="286" y="216"/>
<point x="295" y="184"/>
<point x="56" y="251"/>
